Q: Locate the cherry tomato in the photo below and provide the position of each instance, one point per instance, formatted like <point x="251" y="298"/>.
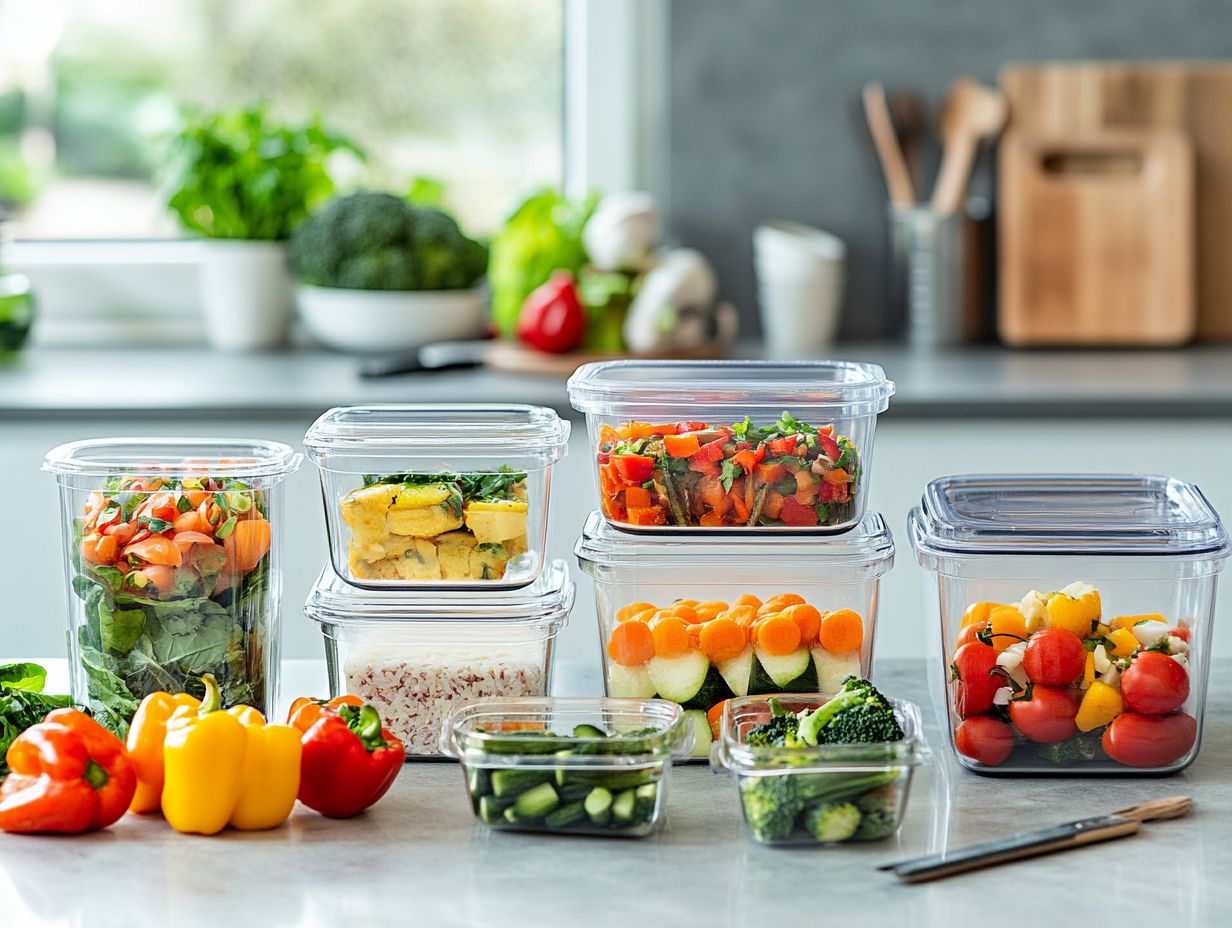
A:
<point x="970" y="633"/>
<point x="1181" y="631"/>
<point x="974" y="663"/>
<point x="984" y="738"/>
<point x="1149" y="740"/>
<point x="1048" y="716"/>
<point x="1054" y="657"/>
<point x="1154" y="684"/>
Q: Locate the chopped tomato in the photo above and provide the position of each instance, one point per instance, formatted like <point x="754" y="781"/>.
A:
<point x="782" y="446"/>
<point x="157" y="549"/>
<point x="99" y="549"/>
<point x="635" y="468"/>
<point x="829" y="447"/>
<point x="709" y="452"/>
<point x="792" y="512"/>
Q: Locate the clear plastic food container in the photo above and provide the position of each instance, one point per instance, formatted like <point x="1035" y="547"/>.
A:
<point x="1075" y="619"/>
<point x="829" y="794"/>
<point x="415" y="656"/>
<point x="567" y="766"/>
<point x="732" y="446"/>
<point x="700" y="620"/>
<point x="437" y="496"/>
<point x="172" y="549"/>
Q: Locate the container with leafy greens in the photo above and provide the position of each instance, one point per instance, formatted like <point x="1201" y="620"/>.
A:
<point x="23" y="703"/>
<point x="171" y="553"/>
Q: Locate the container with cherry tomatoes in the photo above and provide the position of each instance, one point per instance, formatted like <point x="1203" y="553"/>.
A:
<point x="1075" y="616"/>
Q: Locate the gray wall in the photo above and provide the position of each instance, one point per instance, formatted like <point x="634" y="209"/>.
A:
<point x="763" y="118"/>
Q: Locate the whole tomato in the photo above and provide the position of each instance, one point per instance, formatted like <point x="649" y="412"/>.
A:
<point x="975" y="665"/>
<point x="1048" y="716"/>
<point x="970" y="633"/>
<point x="1154" y="684"/>
<point x="1054" y="657"/>
<point x="984" y="738"/>
<point x="552" y="318"/>
<point x="1149" y="740"/>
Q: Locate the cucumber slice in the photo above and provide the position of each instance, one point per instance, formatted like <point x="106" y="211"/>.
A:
<point x="478" y="780"/>
<point x="536" y="802"/>
<point x="509" y="782"/>
<point x="598" y="805"/>
<point x="738" y="671"/>
<point x="833" y="669"/>
<point x="588" y="731"/>
<point x="786" y="673"/>
<point x="679" y="679"/>
<point x="714" y="690"/>
<point x="630" y="682"/>
<point x="492" y="809"/>
<point x="565" y="816"/>
<point x="702" y="735"/>
<point x="646" y="797"/>
<point x="623" y="807"/>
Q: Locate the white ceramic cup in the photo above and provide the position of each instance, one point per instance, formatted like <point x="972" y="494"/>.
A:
<point x="800" y="281"/>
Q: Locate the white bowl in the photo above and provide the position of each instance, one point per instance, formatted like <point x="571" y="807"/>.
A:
<point x="389" y="320"/>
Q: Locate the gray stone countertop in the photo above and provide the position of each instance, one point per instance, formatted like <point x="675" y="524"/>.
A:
<point x="964" y="382"/>
<point x="419" y="858"/>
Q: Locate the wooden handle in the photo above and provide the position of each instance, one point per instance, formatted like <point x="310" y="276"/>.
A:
<point x="1158" y="809"/>
<point x="893" y="164"/>
<point x="957" y="159"/>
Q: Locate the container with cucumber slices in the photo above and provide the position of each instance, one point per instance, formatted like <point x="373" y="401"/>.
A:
<point x="567" y="766"/>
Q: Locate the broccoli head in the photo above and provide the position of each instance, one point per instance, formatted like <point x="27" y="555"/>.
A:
<point x="879" y="808"/>
<point x="779" y="732"/>
<point x="857" y="714"/>
<point x="1074" y="751"/>
<point x="832" y="821"/>
<point x="770" y="806"/>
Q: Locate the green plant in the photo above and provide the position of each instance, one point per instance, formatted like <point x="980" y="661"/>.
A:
<point x="237" y="174"/>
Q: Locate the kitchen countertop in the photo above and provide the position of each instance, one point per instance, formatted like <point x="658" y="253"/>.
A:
<point x="419" y="857"/>
<point x="965" y="382"/>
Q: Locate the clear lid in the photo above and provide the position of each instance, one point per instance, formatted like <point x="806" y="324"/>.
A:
<point x="474" y="433"/>
<point x="232" y="457"/>
<point x="639" y="732"/>
<point x="834" y="389"/>
<point x="547" y="601"/>
<point x="868" y="545"/>
<point x="1066" y="514"/>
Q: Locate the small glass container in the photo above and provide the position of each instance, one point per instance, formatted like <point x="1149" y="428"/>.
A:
<point x="567" y="766"/>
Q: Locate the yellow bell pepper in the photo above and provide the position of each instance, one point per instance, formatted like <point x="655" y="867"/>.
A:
<point x="1123" y="641"/>
<point x="227" y="768"/>
<point x="1129" y="621"/>
<point x="1079" y="615"/>
<point x="1100" y="705"/>
<point x="978" y="613"/>
<point x="146" y="735"/>
<point x="1007" y="626"/>
<point x="1088" y="671"/>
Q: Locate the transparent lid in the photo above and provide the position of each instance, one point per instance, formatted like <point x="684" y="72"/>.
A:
<point x="446" y="431"/>
<point x="1066" y="514"/>
<point x="234" y="457"/>
<point x="869" y="544"/>
<point x="835" y="388"/>
<point x="548" y="600"/>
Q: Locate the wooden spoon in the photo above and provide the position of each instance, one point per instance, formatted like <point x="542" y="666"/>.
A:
<point x="910" y="123"/>
<point x="971" y="113"/>
<point x="893" y="165"/>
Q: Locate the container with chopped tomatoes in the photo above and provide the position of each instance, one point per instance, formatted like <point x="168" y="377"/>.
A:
<point x="1075" y="616"/>
<point x="731" y="445"/>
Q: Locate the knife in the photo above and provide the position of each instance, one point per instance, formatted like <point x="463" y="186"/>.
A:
<point x="1042" y="841"/>
<point x="439" y="356"/>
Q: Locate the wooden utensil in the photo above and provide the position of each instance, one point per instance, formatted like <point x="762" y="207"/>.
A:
<point x="910" y="119"/>
<point x="1042" y="841"/>
<point x="971" y="113"/>
<point x="881" y="128"/>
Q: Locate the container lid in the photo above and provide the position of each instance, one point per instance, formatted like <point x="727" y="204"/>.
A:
<point x="235" y="457"/>
<point x="548" y="600"/>
<point x="869" y="544"/>
<point x="442" y="430"/>
<point x="1066" y="514"/>
<point x="840" y="388"/>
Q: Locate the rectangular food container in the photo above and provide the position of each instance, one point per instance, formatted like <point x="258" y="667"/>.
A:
<point x="782" y="790"/>
<point x="172" y="552"/>
<point x="567" y="766"/>
<point x="437" y="496"/>
<point x="732" y="446"/>
<point x="1075" y="618"/>
<point x="415" y="656"/>
<point x="695" y="611"/>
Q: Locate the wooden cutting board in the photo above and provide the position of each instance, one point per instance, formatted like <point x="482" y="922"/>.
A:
<point x="1192" y="97"/>
<point x="1096" y="239"/>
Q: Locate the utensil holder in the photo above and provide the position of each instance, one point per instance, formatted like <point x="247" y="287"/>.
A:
<point x="935" y="275"/>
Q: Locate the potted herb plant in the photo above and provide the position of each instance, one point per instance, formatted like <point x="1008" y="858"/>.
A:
<point x="244" y="183"/>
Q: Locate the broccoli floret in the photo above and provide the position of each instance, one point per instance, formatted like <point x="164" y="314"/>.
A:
<point x="447" y="259"/>
<point x="879" y="808"/>
<point x="1076" y="750"/>
<point x="779" y="732"/>
<point x="770" y="806"/>
<point x="857" y="714"/>
<point x="832" y="821"/>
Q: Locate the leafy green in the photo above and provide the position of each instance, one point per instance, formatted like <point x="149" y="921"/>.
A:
<point x="728" y="472"/>
<point x="491" y="487"/>
<point x="30" y="678"/>
<point x="23" y="703"/>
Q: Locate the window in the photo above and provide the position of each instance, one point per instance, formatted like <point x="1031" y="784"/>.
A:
<point x="465" y="91"/>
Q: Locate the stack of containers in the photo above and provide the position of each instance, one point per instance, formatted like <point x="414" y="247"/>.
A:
<point x="438" y="589"/>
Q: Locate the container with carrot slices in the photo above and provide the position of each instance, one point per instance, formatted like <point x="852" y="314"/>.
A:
<point x="171" y="550"/>
<point x="698" y="621"/>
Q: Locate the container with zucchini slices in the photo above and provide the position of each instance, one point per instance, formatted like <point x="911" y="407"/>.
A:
<point x="567" y="766"/>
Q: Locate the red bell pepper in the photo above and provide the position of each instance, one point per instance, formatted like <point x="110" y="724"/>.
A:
<point x="349" y="761"/>
<point x="830" y="447"/>
<point x="749" y="459"/>
<point x="793" y="513"/>
<point x="782" y="446"/>
<point x="552" y="317"/>
<point x="69" y="775"/>
<point x="709" y="452"/>
<point x="682" y="427"/>
<point x="634" y="468"/>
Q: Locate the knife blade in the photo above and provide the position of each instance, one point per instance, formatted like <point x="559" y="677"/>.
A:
<point x="439" y="356"/>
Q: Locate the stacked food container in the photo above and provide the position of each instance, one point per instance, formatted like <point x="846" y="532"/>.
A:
<point x="438" y="588"/>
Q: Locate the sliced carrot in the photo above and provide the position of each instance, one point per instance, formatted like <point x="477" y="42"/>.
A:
<point x="681" y="446"/>
<point x="779" y="602"/>
<point x="157" y="549"/>
<point x="685" y="612"/>
<point x="185" y="540"/>
<point x="685" y="602"/>
<point x="807" y="619"/>
<point x="695" y="636"/>
<point x="744" y="615"/>
<point x="709" y="609"/>
<point x="631" y="644"/>
<point x="192" y="521"/>
<point x="722" y="639"/>
<point x="251" y="539"/>
<point x="778" y="634"/>
<point x="625" y="613"/>
<point x="747" y="599"/>
<point x="841" y="631"/>
<point x="715" y="718"/>
<point x="637" y="498"/>
<point x="736" y="497"/>
<point x="770" y="473"/>
<point x="671" y="636"/>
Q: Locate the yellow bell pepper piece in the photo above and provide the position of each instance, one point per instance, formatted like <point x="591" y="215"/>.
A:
<point x="1007" y="626"/>
<point x="1100" y="705"/>
<point x="978" y="613"/>
<point x="1088" y="671"/>
<point x="1129" y="621"/>
<point x="1078" y="615"/>
<point x="146" y="735"/>
<point x="1123" y="641"/>
<point x="271" y="772"/>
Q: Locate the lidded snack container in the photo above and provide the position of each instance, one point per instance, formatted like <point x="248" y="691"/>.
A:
<point x="1075" y="615"/>
<point x="828" y="794"/>
<point x="567" y="766"/>
<point x="414" y="656"/>
<point x="732" y="446"/>
<point x="172" y="552"/>
<point x="446" y="496"/>
<point x="700" y="620"/>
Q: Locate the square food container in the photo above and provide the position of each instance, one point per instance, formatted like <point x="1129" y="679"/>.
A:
<point x="732" y="446"/>
<point x="1075" y="617"/>
<point x="793" y="795"/>
<point x="567" y="766"/>
<point x="437" y="496"/>
<point x="700" y="620"/>
<point x="172" y="551"/>
<point x="415" y="656"/>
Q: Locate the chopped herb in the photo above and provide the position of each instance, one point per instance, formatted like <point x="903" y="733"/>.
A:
<point x="728" y="473"/>
<point x="495" y="548"/>
<point x="226" y="528"/>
